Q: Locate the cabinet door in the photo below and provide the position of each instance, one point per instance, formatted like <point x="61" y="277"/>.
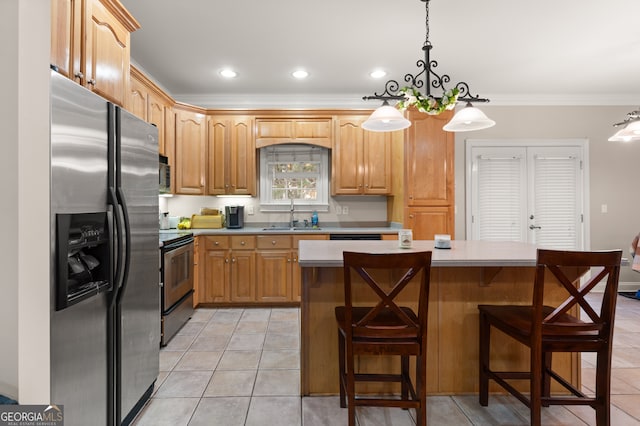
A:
<point x="106" y="53"/>
<point x="156" y="115"/>
<point x="274" y="270"/>
<point x="138" y="99"/>
<point x="377" y="162"/>
<point x="190" y="160"/>
<point x="242" y="171"/>
<point x="347" y="157"/>
<point x="429" y="153"/>
<point x="218" y="156"/>
<point x="66" y="24"/>
<point x="214" y="285"/>
<point x="425" y="222"/>
<point x="243" y="276"/>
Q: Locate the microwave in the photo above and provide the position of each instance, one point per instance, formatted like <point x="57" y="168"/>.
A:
<point x="164" y="175"/>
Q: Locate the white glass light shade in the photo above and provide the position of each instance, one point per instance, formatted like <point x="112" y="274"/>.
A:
<point x="467" y="119"/>
<point x="629" y="133"/>
<point x="386" y="119"/>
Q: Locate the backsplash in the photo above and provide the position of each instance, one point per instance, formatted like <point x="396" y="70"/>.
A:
<point x="361" y="209"/>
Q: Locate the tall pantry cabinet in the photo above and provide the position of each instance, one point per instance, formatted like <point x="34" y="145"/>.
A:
<point x="429" y="176"/>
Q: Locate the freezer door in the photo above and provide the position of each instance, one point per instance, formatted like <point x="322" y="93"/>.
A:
<point x="140" y="303"/>
<point x="78" y="185"/>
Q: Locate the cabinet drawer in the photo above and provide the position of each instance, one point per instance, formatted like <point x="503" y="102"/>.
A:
<point x="274" y="241"/>
<point x="242" y="242"/>
<point x="216" y="242"/>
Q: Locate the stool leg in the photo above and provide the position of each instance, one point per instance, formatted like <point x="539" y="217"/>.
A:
<point x="484" y="345"/>
<point x="404" y="372"/>
<point x="603" y="387"/>
<point x="546" y="378"/>
<point x="535" y="397"/>
<point x="421" y="389"/>
<point x="341" y="371"/>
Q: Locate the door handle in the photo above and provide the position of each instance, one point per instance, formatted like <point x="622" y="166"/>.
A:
<point x="535" y="227"/>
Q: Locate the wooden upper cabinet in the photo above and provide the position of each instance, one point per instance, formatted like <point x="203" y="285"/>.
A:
<point x="90" y="44"/>
<point x="429" y="154"/>
<point x="275" y="131"/>
<point x="231" y="163"/>
<point x="361" y="160"/>
<point x="139" y="98"/>
<point x="66" y="27"/>
<point x="190" y="153"/>
<point x="151" y="104"/>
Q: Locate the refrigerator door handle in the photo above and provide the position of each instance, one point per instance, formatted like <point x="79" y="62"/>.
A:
<point x="119" y="252"/>
<point x="127" y="243"/>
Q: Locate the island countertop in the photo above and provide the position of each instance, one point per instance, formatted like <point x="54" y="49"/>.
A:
<point x="462" y="253"/>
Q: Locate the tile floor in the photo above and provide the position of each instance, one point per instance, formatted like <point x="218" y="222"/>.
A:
<point x="241" y="367"/>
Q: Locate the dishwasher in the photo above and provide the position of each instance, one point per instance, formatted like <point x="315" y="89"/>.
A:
<point x="355" y="236"/>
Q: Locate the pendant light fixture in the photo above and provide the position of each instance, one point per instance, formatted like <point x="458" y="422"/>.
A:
<point x="631" y="130"/>
<point x="467" y="119"/>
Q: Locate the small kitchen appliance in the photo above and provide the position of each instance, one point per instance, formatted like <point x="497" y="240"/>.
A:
<point x="234" y="216"/>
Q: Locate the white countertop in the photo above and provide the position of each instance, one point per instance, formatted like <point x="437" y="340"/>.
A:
<point x="462" y="252"/>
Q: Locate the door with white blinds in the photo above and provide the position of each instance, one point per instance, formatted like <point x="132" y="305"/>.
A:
<point x="532" y="192"/>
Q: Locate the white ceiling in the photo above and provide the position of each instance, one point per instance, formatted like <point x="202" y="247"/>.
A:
<point x="569" y="52"/>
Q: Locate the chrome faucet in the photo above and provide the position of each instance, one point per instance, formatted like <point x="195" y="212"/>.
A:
<point x="291" y="211"/>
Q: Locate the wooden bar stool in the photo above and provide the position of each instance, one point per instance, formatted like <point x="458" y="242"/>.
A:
<point x="546" y="329"/>
<point x="383" y="328"/>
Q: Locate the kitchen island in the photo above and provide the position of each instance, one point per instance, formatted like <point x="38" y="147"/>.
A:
<point x="468" y="274"/>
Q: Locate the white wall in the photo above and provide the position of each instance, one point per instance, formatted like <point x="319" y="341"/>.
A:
<point x="24" y="171"/>
<point x="612" y="165"/>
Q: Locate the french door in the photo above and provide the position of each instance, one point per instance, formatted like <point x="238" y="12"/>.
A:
<point x="531" y="191"/>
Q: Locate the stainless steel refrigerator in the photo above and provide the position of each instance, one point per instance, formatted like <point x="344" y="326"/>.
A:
<point x="105" y="306"/>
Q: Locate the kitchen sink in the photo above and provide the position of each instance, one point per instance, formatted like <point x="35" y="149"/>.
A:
<point x="288" y="228"/>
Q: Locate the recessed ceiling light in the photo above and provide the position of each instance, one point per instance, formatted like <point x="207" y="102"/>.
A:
<point x="228" y="73"/>
<point x="300" y="74"/>
<point x="378" y="73"/>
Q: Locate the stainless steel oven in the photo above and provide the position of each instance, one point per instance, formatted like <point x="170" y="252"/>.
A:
<point x="177" y="285"/>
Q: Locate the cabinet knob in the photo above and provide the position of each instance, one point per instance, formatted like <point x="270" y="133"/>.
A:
<point x="295" y="259"/>
<point x="233" y="260"/>
<point x="226" y="260"/>
<point x="79" y="75"/>
<point x="242" y="243"/>
<point x="273" y="242"/>
<point x="91" y="82"/>
<point x="217" y="243"/>
<point x="288" y="260"/>
<point x="410" y="216"/>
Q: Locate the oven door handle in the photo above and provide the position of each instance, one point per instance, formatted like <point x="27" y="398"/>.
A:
<point x="176" y="245"/>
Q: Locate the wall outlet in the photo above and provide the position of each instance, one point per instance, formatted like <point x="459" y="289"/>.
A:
<point x="338" y="210"/>
<point x="345" y="209"/>
<point x="249" y="209"/>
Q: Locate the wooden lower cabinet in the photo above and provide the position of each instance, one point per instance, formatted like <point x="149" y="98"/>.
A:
<point x="249" y="269"/>
<point x="429" y="221"/>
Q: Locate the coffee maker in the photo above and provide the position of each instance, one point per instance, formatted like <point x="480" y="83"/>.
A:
<point x="234" y="216"/>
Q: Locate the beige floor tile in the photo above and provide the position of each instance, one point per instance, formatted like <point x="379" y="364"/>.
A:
<point x="179" y="343"/>
<point x="251" y="327"/>
<point x="241" y="342"/>
<point x="383" y="416"/>
<point x="496" y="413"/>
<point x="193" y="360"/>
<point x="281" y="411"/>
<point x="442" y="410"/>
<point x="285" y="314"/>
<point x="283" y="327"/>
<point x="281" y="341"/>
<point x="226" y="316"/>
<point x="169" y="359"/>
<point x="588" y="415"/>
<point x="184" y="384"/>
<point x="231" y="383"/>
<point x="167" y="412"/>
<point x="323" y="411"/>
<point x="202" y="314"/>
<point x="191" y="328"/>
<point x="626" y="339"/>
<point x="209" y="343"/>
<point x="218" y="329"/>
<point x="280" y="359"/>
<point x="277" y="383"/>
<point x="630" y="376"/>
<point x="256" y="314"/>
<point x="630" y="404"/>
<point x="239" y="360"/>
<point x="161" y="378"/>
<point x="230" y="411"/>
